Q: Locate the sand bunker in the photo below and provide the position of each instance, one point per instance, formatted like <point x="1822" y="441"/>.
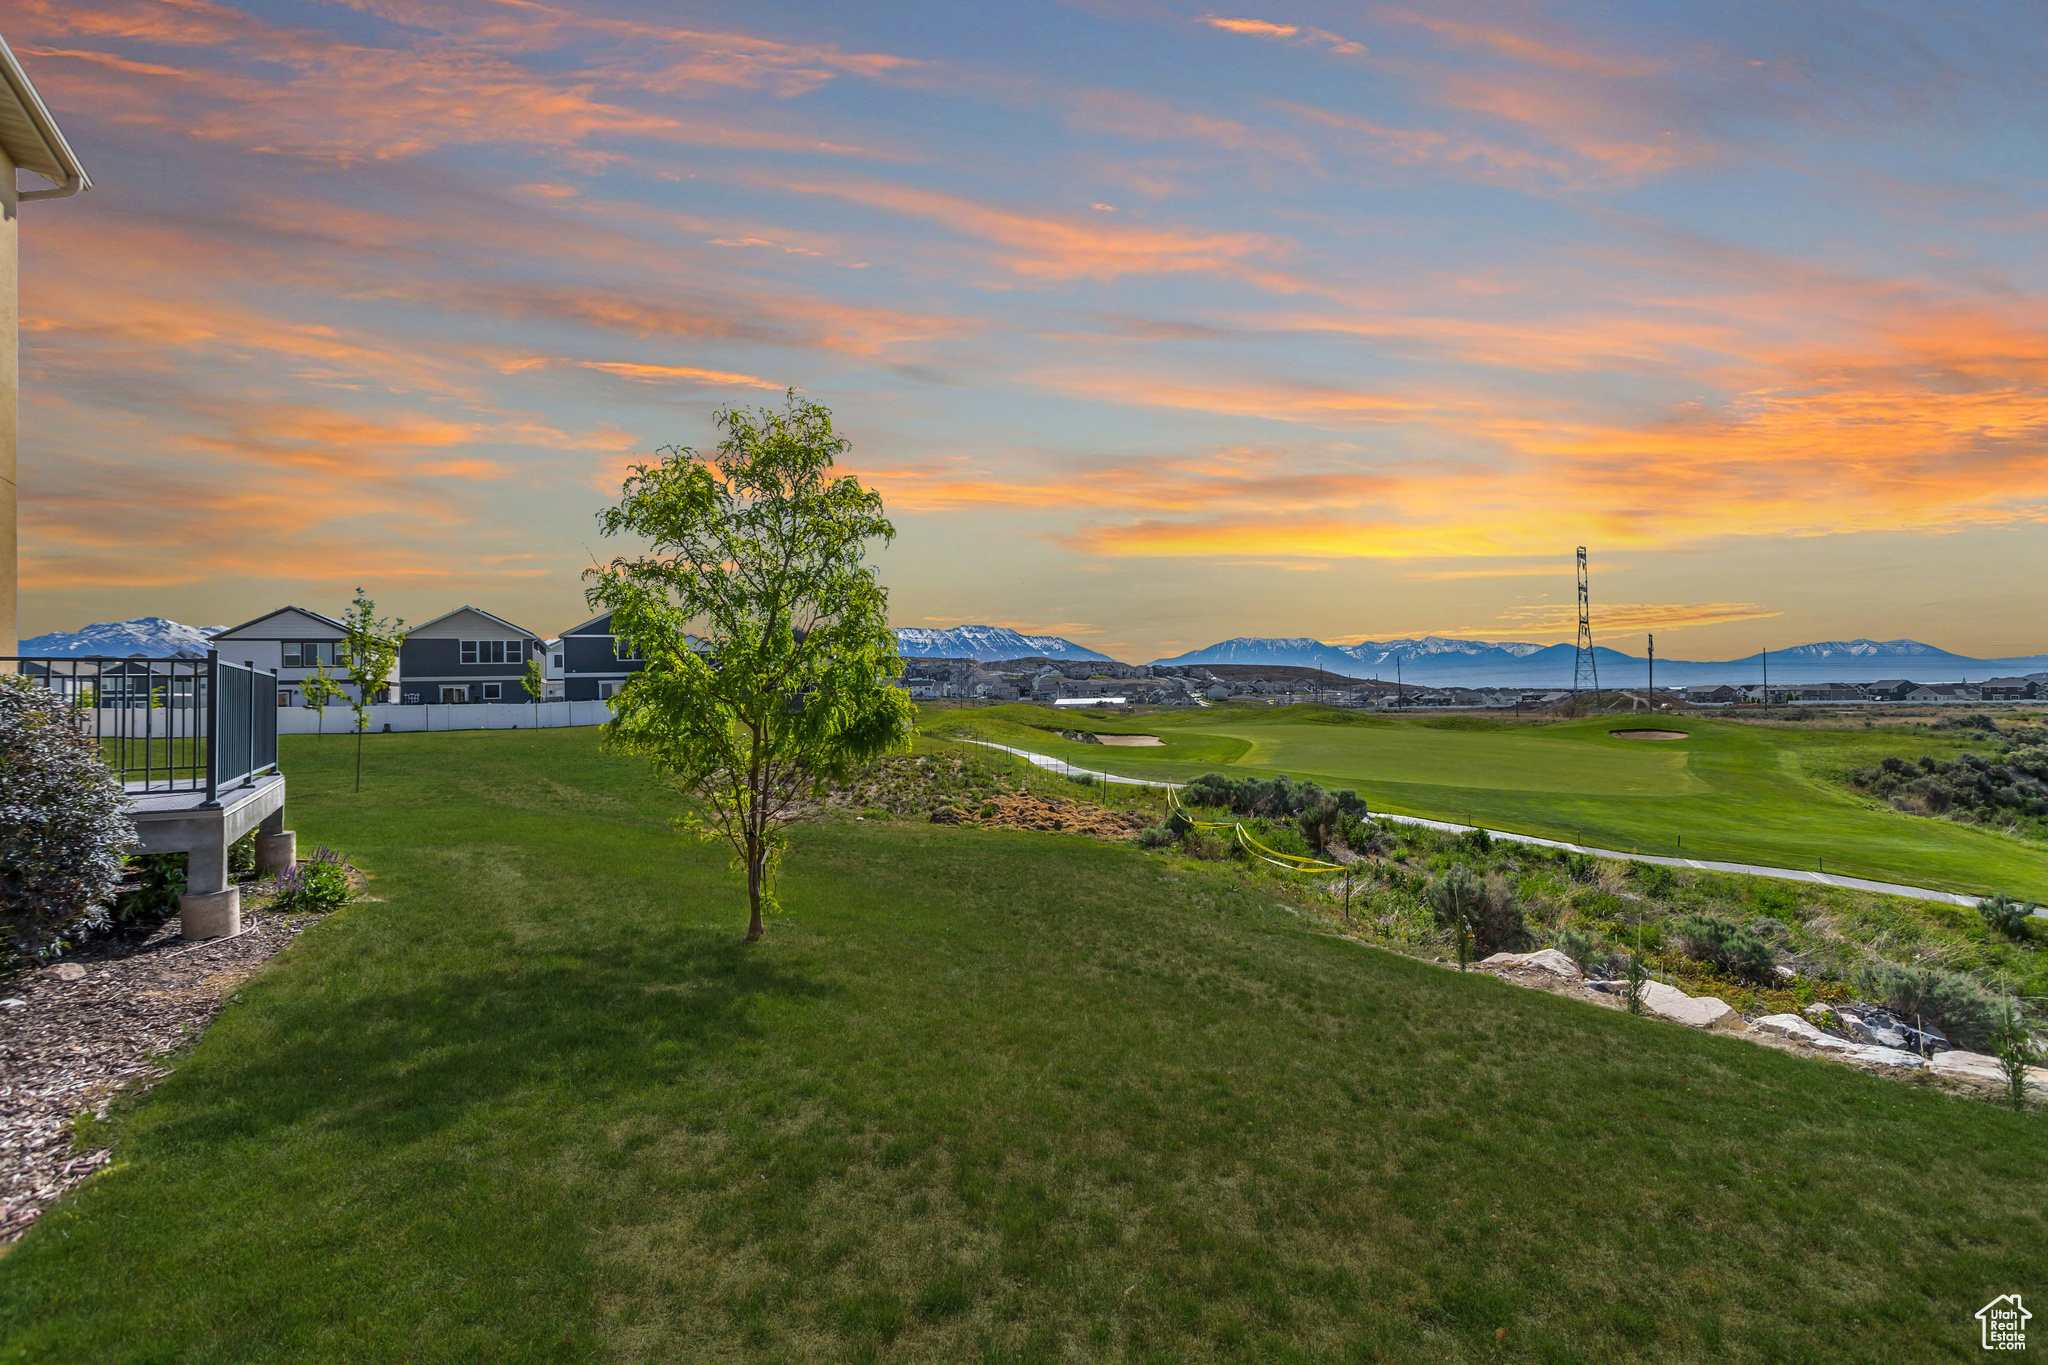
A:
<point x="1131" y="741"/>
<point x="1649" y="734"/>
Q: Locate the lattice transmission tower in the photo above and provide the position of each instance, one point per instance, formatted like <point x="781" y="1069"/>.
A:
<point x="1584" y="665"/>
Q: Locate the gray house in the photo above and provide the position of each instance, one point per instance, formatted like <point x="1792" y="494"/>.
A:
<point x="293" y="643"/>
<point x="594" y="667"/>
<point x="466" y="656"/>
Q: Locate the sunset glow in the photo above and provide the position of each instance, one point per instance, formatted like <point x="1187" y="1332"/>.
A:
<point x="1133" y="313"/>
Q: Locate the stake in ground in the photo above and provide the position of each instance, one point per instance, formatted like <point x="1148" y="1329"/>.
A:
<point x="979" y="1095"/>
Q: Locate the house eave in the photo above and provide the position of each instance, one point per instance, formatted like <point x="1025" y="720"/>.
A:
<point x="29" y="132"/>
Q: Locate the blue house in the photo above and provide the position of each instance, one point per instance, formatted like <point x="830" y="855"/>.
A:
<point x="467" y="656"/>
<point x="594" y="667"/>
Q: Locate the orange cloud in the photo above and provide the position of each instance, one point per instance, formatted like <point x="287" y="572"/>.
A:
<point x="1261" y="28"/>
<point x="663" y="374"/>
<point x="1049" y="248"/>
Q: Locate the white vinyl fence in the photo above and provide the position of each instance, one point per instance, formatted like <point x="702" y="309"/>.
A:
<point x="549" y="715"/>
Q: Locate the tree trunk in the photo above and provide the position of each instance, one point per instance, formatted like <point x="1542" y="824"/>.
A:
<point x="359" y="757"/>
<point x="756" y="856"/>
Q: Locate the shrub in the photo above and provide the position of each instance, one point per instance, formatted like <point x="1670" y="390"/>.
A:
<point x="1587" y="950"/>
<point x="1581" y="867"/>
<point x="1157" y="836"/>
<point x="1497" y="920"/>
<point x="2006" y="915"/>
<point x="159" y="882"/>
<point x="2016" y="1051"/>
<point x="1736" y="949"/>
<point x="318" y="884"/>
<point x="1652" y="879"/>
<point x="1477" y="839"/>
<point x="242" y="855"/>
<point x="1957" y="1004"/>
<point x="63" y="822"/>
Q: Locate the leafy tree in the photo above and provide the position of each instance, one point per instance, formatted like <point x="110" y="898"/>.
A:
<point x="765" y="633"/>
<point x="320" y="691"/>
<point x="64" y="821"/>
<point x="535" y="681"/>
<point x="372" y="645"/>
<point x="1455" y="898"/>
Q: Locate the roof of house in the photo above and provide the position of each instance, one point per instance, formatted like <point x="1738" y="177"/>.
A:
<point x="602" y="618"/>
<point x="488" y="616"/>
<point x="28" y="132"/>
<point x="236" y="630"/>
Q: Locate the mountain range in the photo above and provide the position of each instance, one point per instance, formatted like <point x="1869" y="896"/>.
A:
<point x="986" y="644"/>
<point x="152" y="637"/>
<point x="1437" y="661"/>
<point x="1432" y="660"/>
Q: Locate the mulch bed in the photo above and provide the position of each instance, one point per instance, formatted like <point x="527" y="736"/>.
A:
<point x="73" y="1045"/>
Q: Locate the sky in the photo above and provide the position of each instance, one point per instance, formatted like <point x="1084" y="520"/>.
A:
<point x="1154" y="324"/>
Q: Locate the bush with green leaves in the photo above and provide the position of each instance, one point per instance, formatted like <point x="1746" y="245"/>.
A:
<point x="2016" y="1051"/>
<point x="1956" y="1004"/>
<point x="64" y="822"/>
<point x="2006" y="915"/>
<point x="242" y="855"/>
<point x="1157" y="836"/>
<point x="1652" y="879"/>
<point x="1588" y="951"/>
<point x="317" y="885"/>
<point x="1737" y="949"/>
<point x="159" y="883"/>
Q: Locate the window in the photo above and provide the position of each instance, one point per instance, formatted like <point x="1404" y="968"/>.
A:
<point x="494" y="692"/>
<point x="607" y="690"/>
<point x="284" y="699"/>
<point x="451" y="696"/>
<point x="490" y="651"/>
<point x="623" y="651"/>
<point x="558" y="661"/>
<point x="312" y="653"/>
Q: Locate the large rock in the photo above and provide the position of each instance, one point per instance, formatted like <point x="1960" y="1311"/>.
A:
<point x="1799" y="1031"/>
<point x="1977" y="1068"/>
<point x="1871" y="1055"/>
<point x="1543" y="960"/>
<point x="1669" y="1002"/>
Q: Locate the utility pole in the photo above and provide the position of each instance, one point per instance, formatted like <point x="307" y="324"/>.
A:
<point x="1767" y="682"/>
<point x="1653" y="672"/>
<point x="1583" y="662"/>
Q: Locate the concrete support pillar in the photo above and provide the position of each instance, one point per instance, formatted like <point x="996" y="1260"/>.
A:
<point x="210" y="914"/>
<point x="210" y="907"/>
<point x="275" y="853"/>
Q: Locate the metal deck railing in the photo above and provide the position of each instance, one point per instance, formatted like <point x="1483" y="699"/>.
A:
<point x="169" y="725"/>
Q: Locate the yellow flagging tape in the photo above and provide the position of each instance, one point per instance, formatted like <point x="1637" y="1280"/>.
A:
<point x="1293" y="862"/>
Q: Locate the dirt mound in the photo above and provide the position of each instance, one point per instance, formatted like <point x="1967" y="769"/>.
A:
<point x="1021" y="811"/>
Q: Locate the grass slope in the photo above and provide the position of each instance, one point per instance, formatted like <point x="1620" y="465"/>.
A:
<point x="978" y="1096"/>
<point x="1731" y="792"/>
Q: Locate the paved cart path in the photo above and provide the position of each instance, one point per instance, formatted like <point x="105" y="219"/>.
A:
<point x="1786" y="874"/>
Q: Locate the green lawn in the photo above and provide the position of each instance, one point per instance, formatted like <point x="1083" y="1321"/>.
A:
<point x="1730" y="791"/>
<point x="1003" y="1097"/>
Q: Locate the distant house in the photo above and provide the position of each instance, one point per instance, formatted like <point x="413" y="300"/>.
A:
<point x="1942" y="692"/>
<point x="594" y="666"/>
<point x="293" y="642"/>
<point x="2009" y="689"/>
<point x="465" y="657"/>
<point x="1719" y="695"/>
<point x="551" y="669"/>
<point x="1890" y="689"/>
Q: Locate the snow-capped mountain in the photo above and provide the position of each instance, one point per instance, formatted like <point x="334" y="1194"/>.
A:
<point x="150" y="636"/>
<point x="1435" y="661"/>
<point x="986" y="644"/>
<point x="1361" y="659"/>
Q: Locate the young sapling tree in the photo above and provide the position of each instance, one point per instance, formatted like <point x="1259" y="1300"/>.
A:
<point x="372" y="644"/>
<point x="769" y="663"/>
<point x="320" y="691"/>
<point x="535" y="680"/>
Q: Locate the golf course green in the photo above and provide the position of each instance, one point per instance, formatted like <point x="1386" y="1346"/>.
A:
<point x="1725" y="791"/>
